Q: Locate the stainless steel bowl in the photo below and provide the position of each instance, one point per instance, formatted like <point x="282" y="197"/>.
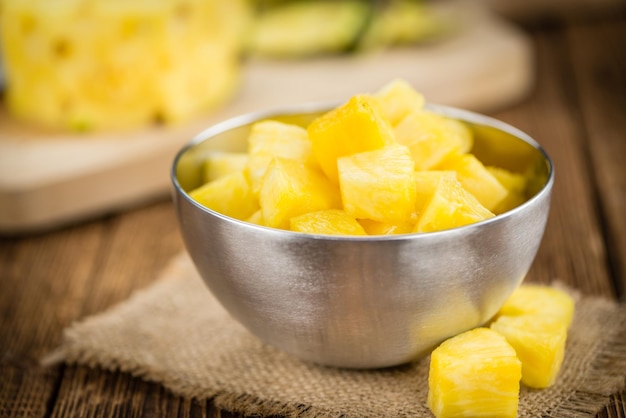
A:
<point x="363" y="302"/>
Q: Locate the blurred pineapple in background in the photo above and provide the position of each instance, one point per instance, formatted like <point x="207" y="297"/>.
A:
<point x="103" y="64"/>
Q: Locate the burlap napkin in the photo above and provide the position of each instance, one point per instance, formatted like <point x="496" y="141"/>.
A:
<point x="176" y="333"/>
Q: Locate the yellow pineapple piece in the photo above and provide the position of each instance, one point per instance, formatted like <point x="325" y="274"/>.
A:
<point x="372" y="227"/>
<point x="327" y="222"/>
<point x="475" y="177"/>
<point x="460" y="132"/>
<point x="426" y="183"/>
<point x="269" y="139"/>
<point x="539" y="342"/>
<point x="397" y="99"/>
<point x="535" y="320"/>
<point x="515" y="184"/>
<point x="291" y="188"/>
<point x="450" y="206"/>
<point x="430" y="138"/>
<point x="351" y="128"/>
<point x="119" y="64"/>
<point x="474" y="374"/>
<point x="540" y="300"/>
<point x="218" y="164"/>
<point x="511" y="201"/>
<point x="230" y="195"/>
<point x="378" y="184"/>
<point x="256" y="218"/>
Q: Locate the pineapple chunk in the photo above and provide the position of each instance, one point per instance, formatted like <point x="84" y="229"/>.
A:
<point x="540" y="300"/>
<point x="539" y="342"/>
<point x="477" y="179"/>
<point x="460" y="132"/>
<point x="378" y="184"/>
<point x="269" y="139"/>
<point x="511" y="201"/>
<point x="291" y="188"/>
<point x="535" y="320"/>
<point x="474" y="374"/>
<point x="354" y="127"/>
<point x="230" y="195"/>
<point x="426" y="183"/>
<point x="119" y="64"/>
<point x="385" y="228"/>
<point x="450" y="206"/>
<point x="515" y="184"/>
<point x="218" y="164"/>
<point x="397" y="99"/>
<point x="327" y="222"/>
<point x="256" y="218"/>
<point x="430" y="141"/>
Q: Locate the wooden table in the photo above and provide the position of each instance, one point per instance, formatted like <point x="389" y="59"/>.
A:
<point x="577" y="112"/>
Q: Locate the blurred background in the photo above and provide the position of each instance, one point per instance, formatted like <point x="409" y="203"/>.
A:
<point x="99" y="95"/>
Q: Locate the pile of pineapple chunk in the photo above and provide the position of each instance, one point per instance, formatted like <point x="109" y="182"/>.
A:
<point x="478" y="373"/>
<point x="378" y="164"/>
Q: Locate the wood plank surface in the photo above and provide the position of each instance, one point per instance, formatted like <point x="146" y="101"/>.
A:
<point x="600" y="82"/>
<point x="576" y="111"/>
<point x="572" y="250"/>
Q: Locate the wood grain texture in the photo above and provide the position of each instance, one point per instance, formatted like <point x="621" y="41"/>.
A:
<point x="573" y="250"/>
<point x="531" y="11"/>
<point x="48" y="280"/>
<point x="600" y="80"/>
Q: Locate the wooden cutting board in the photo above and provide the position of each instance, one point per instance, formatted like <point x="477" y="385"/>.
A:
<point x="51" y="179"/>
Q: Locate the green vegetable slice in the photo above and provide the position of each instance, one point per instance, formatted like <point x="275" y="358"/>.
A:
<point x="306" y="28"/>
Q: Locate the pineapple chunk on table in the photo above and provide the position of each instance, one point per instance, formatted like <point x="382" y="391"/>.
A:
<point x="474" y="374"/>
<point x="539" y="342"/>
<point x="378" y="184"/>
<point x="230" y="195"/>
<point x="291" y="188"/>
<point x="397" y="99"/>
<point x="450" y="206"/>
<point x="327" y="222"/>
<point x="269" y="139"/>
<point x="535" y="320"/>
<point x="475" y="177"/>
<point x="351" y="128"/>
<point x="540" y="300"/>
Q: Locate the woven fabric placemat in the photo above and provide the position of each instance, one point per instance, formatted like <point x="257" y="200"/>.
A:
<point x="175" y="333"/>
